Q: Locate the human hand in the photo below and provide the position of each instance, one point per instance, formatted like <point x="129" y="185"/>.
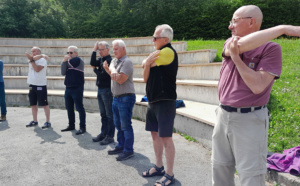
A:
<point x="149" y="61"/>
<point x="292" y="30"/>
<point x="96" y="46"/>
<point x="46" y="57"/>
<point x="28" y="56"/>
<point x="105" y="66"/>
<point x="233" y="47"/>
<point x="67" y="58"/>
<point x="114" y="76"/>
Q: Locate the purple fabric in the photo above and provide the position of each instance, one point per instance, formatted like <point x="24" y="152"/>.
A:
<point x="288" y="162"/>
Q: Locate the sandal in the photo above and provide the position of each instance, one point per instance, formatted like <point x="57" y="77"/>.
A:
<point x="168" y="178"/>
<point x="159" y="172"/>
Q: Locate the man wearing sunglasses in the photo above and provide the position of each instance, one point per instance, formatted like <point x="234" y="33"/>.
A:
<point x="72" y="68"/>
<point x="160" y="70"/>
<point x="104" y="95"/>
<point x="250" y="65"/>
<point x="38" y="85"/>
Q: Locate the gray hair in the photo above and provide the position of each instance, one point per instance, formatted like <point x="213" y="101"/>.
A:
<point x="74" y="47"/>
<point x="120" y="42"/>
<point x="103" y="43"/>
<point x="37" y="48"/>
<point x="166" y="31"/>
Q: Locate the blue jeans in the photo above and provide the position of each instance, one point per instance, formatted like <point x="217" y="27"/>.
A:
<point x="122" y="111"/>
<point x="2" y="99"/>
<point x="105" y="106"/>
<point x="75" y="95"/>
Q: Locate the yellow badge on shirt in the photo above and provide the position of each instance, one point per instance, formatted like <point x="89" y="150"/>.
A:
<point x="166" y="56"/>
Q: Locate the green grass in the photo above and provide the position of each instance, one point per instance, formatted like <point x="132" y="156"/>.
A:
<point x="284" y="104"/>
<point x="187" y="137"/>
<point x="207" y="44"/>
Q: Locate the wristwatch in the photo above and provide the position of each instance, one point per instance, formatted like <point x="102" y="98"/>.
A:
<point x="31" y="60"/>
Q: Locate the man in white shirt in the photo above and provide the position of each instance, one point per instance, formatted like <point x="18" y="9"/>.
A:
<point x="38" y="85"/>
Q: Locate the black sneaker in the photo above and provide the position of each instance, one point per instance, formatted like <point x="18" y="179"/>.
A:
<point x="32" y="124"/>
<point x="117" y="150"/>
<point x="107" y="141"/>
<point x="68" y="129"/>
<point x="100" y="137"/>
<point x="46" y="125"/>
<point x="125" y="156"/>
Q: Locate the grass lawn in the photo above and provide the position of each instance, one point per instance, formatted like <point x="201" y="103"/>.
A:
<point x="284" y="104"/>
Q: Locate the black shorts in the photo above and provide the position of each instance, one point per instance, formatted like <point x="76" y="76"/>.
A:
<point x="160" y="117"/>
<point x="38" y="94"/>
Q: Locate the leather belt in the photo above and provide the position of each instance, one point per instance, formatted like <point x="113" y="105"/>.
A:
<point x="241" y="110"/>
<point x="123" y="95"/>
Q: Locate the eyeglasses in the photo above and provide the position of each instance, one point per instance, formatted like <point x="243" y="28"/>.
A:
<point x="69" y="52"/>
<point x="155" y="38"/>
<point x="101" y="50"/>
<point x="234" y="20"/>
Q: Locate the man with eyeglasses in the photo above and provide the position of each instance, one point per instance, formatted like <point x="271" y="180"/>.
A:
<point x="72" y="68"/>
<point x="37" y="81"/>
<point x="104" y="95"/>
<point x="121" y="72"/>
<point x="250" y="65"/>
<point x="160" y="71"/>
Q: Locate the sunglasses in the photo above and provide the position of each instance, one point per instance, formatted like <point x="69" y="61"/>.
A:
<point x="155" y="38"/>
<point x="69" y="52"/>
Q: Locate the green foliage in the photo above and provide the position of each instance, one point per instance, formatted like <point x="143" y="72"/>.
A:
<point x="284" y="103"/>
<point x="190" y="19"/>
<point x="29" y="18"/>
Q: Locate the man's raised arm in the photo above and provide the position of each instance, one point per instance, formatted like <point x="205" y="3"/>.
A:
<point x="256" y="39"/>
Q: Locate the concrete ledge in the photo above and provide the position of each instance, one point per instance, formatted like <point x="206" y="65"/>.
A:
<point x="84" y="50"/>
<point x="68" y="42"/>
<point x="195" y="90"/>
<point x="196" y="119"/>
<point x="187" y="57"/>
<point x="283" y="179"/>
<point x="209" y="71"/>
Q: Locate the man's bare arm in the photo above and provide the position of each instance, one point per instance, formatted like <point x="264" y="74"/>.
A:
<point x="120" y="78"/>
<point x="36" y="67"/>
<point x="37" y="57"/>
<point x="256" y="39"/>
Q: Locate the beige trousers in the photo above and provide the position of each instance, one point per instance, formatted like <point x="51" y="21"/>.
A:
<point x="239" y="142"/>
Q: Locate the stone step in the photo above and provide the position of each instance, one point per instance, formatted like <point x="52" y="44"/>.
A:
<point x="209" y="71"/>
<point x="84" y="50"/>
<point x="203" y="71"/>
<point x="186" y="57"/>
<point x="195" y="119"/>
<point x="68" y="42"/>
<point x="204" y="91"/>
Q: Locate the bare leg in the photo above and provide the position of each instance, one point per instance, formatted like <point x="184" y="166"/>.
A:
<point x="170" y="156"/>
<point x="47" y="112"/>
<point x="158" y="150"/>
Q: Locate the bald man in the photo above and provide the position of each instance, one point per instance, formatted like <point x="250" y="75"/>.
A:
<point x="250" y="65"/>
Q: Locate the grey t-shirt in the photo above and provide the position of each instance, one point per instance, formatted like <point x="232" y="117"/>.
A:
<point x="123" y="65"/>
